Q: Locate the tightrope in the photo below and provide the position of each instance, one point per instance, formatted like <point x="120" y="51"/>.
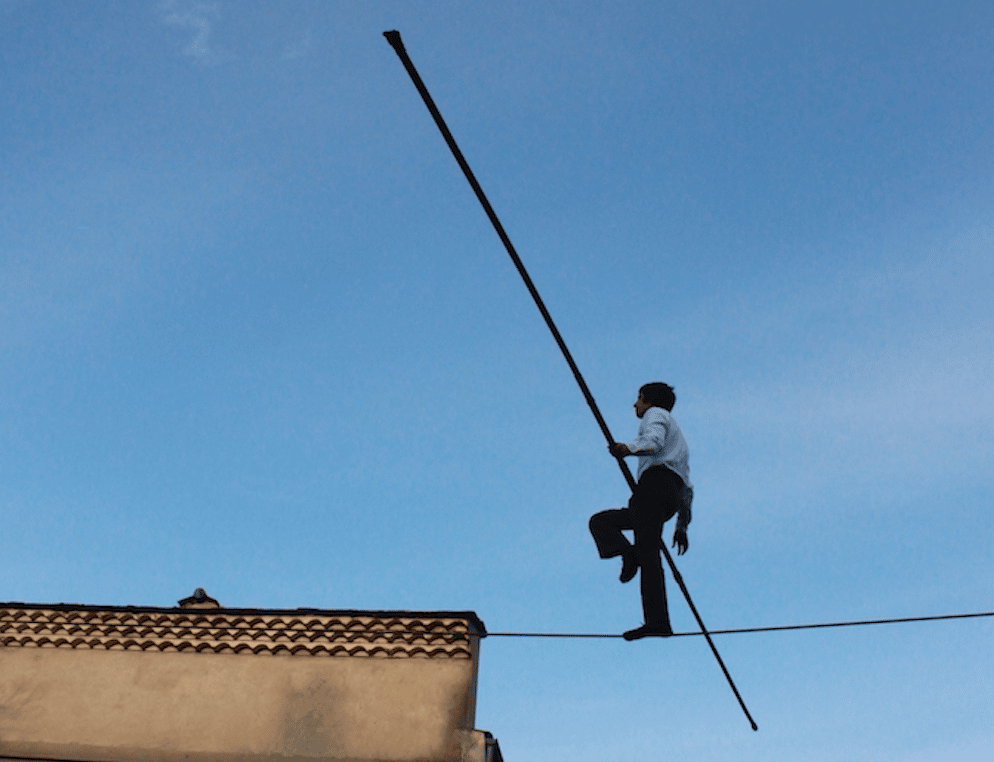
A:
<point x="464" y="635"/>
<point x="744" y="630"/>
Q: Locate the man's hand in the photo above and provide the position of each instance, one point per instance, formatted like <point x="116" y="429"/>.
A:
<point x="619" y="450"/>
<point x="680" y="541"/>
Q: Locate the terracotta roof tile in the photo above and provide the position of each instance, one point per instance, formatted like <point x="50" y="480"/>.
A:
<point x="364" y="634"/>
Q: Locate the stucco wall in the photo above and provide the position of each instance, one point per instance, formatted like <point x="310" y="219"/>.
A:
<point x="131" y="705"/>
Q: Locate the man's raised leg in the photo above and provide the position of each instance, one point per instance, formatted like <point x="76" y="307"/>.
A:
<point x="606" y="528"/>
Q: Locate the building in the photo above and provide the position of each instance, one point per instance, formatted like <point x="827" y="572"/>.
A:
<point x="203" y="683"/>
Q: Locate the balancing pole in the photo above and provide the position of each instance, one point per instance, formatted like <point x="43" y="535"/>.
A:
<point x="393" y="37"/>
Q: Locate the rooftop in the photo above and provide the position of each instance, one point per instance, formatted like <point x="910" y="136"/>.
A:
<point x="264" y="632"/>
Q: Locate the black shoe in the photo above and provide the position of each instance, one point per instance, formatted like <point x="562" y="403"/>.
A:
<point x="629" y="567"/>
<point x="649" y="630"/>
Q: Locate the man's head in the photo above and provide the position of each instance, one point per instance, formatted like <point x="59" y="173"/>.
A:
<point x="656" y="394"/>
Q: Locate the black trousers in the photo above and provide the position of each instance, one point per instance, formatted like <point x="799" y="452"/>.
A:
<point x="656" y="499"/>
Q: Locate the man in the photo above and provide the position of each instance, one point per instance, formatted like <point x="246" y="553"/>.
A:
<point x="663" y="490"/>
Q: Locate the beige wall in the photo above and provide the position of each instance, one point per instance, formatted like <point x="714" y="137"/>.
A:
<point x="142" y="705"/>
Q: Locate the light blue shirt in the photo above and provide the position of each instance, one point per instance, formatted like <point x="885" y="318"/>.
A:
<point x="660" y="442"/>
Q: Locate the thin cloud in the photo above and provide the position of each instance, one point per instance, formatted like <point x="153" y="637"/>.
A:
<point x="198" y="18"/>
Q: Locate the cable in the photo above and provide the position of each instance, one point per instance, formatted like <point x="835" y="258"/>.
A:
<point x="744" y="630"/>
<point x="393" y="37"/>
<point x="278" y="631"/>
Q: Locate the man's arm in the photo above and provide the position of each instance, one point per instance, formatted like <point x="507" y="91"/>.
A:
<point x="619" y="450"/>
<point x="683" y="519"/>
<point x="651" y="438"/>
<point x="680" y="541"/>
<point x="652" y="445"/>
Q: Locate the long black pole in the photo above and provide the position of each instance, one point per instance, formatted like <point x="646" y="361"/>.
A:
<point x="393" y="37"/>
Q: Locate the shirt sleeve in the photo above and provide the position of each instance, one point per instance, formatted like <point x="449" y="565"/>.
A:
<point x="650" y="441"/>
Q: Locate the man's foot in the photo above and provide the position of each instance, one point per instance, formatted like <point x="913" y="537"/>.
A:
<point x="629" y="567"/>
<point x="649" y="630"/>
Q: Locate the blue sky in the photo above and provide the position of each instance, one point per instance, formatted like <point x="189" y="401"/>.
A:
<point x="257" y="336"/>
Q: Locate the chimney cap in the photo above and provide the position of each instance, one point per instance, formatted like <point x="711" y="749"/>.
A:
<point x="199" y="600"/>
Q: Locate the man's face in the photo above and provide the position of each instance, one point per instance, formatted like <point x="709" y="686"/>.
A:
<point x="641" y="406"/>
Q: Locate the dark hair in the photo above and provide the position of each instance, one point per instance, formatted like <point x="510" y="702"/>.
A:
<point x="658" y="394"/>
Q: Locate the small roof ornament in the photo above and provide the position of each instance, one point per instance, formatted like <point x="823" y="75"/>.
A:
<point x="199" y="600"/>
